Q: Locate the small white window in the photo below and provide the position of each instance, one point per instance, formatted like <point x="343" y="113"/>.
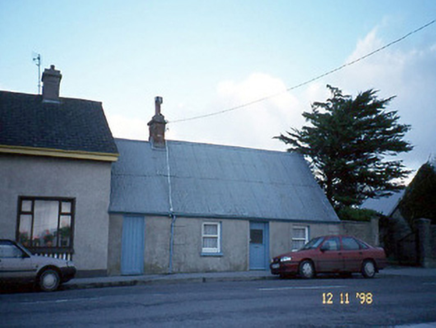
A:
<point x="300" y="236"/>
<point x="211" y="237"/>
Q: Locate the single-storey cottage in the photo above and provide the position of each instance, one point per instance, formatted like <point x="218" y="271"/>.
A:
<point x="55" y="170"/>
<point x="192" y="207"/>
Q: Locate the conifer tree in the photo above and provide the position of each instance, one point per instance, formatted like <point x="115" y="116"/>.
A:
<point x="419" y="200"/>
<point x="350" y="144"/>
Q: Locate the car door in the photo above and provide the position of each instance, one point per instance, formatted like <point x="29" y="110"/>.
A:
<point x="14" y="263"/>
<point x="329" y="257"/>
<point x="352" y="254"/>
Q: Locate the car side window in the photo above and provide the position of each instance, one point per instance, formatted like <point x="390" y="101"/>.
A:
<point x="362" y="245"/>
<point x="349" y="244"/>
<point x="331" y="244"/>
<point x="10" y="251"/>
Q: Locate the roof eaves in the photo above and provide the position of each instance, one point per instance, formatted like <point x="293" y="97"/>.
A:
<point x="50" y="152"/>
<point x="223" y="217"/>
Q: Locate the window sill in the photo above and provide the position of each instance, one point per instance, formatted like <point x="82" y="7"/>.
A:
<point x="212" y="254"/>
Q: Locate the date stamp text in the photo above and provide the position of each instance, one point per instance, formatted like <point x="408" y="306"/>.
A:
<point x="346" y="298"/>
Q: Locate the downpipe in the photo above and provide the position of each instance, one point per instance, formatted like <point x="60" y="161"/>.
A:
<point x="170" y="264"/>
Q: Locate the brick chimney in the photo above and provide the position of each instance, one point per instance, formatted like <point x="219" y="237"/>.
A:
<point x="157" y="126"/>
<point x="51" y="79"/>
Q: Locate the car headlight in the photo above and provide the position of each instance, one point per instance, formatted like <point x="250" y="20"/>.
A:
<point x="285" y="259"/>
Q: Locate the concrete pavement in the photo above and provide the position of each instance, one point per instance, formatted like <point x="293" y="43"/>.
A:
<point x="113" y="281"/>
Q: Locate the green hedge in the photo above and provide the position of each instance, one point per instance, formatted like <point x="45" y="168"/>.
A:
<point x="356" y="214"/>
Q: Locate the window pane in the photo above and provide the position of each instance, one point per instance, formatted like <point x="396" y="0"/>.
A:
<point x="46" y="214"/>
<point x="10" y="251"/>
<point x="66" y="207"/>
<point x="209" y="242"/>
<point x="26" y="206"/>
<point x="300" y="233"/>
<point x="256" y="236"/>
<point x="210" y="229"/>
<point x="65" y="231"/>
<point x="25" y="229"/>
<point x="332" y="244"/>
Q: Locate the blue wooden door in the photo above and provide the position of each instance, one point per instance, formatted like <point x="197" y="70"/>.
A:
<point x="259" y="246"/>
<point x="132" y="248"/>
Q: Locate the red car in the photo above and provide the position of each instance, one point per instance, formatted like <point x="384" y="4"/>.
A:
<point x="331" y="254"/>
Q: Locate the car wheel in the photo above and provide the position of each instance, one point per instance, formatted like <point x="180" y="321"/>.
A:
<point x="368" y="269"/>
<point x="307" y="270"/>
<point x="49" y="280"/>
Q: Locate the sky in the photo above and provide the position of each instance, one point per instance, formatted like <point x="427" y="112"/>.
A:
<point x="206" y="57"/>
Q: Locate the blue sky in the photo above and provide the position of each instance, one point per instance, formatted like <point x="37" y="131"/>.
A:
<point x="208" y="56"/>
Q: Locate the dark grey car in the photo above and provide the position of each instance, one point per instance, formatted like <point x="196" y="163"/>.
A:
<point x="18" y="265"/>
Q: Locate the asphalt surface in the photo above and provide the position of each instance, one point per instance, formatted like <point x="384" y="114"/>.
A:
<point x="397" y="297"/>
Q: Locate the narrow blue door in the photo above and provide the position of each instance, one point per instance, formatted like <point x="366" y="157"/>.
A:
<point x="259" y="246"/>
<point x="132" y="247"/>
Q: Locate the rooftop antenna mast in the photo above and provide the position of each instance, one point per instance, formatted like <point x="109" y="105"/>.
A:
<point x="37" y="60"/>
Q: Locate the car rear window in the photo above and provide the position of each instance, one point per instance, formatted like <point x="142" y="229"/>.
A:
<point x="362" y="245"/>
<point x="349" y="243"/>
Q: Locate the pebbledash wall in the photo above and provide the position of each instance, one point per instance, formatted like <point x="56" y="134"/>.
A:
<point x="88" y="182"/>
<point x="187" y="255"/>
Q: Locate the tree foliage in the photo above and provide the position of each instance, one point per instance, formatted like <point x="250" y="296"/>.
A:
<point x="348" y="143"/>
<point x="356" y="214"/>
<point x="419" y="200"/>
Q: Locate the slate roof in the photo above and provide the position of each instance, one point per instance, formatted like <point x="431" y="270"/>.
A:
<point x="384" y="205"/>
<point x="71" y="125"/>
<point x="216" y="181"/>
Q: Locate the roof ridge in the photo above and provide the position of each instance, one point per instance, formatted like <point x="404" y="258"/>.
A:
<point x="243" y="148"/>
<point x="38" y="95"/>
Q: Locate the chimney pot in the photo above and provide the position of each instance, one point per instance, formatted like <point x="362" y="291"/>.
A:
<point x="157" y="102"/>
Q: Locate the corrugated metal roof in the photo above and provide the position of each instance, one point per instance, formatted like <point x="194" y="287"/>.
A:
<point x="216" y="181"/>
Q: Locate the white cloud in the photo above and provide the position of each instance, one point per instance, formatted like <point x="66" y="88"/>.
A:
<point x="128" y="128"/>
<point x="402" y="70"/>
<point x="405" y="71"/>
<point x="251" y="126"/>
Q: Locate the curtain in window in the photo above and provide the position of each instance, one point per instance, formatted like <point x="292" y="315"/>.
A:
<point x="210" y="237"/>
<point x="45" y="225"/>
<point x="210" y="229"/>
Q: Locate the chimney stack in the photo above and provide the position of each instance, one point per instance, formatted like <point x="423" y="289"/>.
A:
<point x="51" y="79"/>
<point x="157" y="126"/>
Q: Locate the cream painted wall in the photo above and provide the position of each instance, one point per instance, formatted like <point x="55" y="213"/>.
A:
<point x="86" y="181"/>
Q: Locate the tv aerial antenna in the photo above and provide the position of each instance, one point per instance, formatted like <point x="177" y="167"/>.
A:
<point x="37" y="60"/>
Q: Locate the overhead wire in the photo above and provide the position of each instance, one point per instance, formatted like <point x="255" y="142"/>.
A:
<point x="305" y="82"/>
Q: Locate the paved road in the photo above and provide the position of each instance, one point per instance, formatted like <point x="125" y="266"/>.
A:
<point x="384" y="301"/>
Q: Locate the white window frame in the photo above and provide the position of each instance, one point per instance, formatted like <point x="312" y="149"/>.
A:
<point x="211" y="250"/>
<point x="306" y="235"/>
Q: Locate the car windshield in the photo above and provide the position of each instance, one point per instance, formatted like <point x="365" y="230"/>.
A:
<point x="314" y="243"/>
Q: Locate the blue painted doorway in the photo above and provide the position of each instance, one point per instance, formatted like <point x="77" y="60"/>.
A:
<point x="259" y="245"/>
<point x="132" y="247"/>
